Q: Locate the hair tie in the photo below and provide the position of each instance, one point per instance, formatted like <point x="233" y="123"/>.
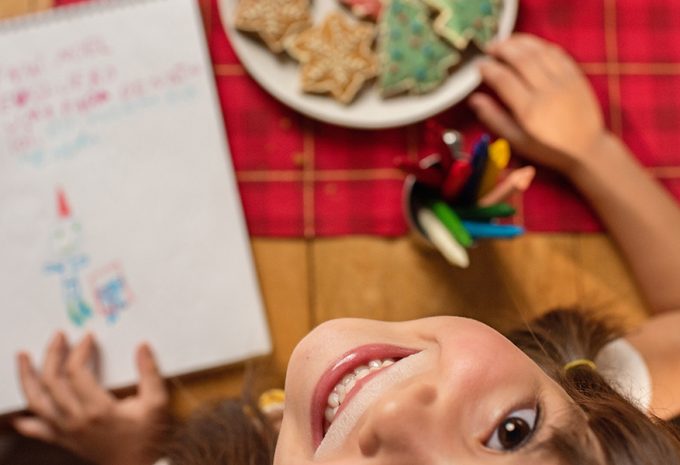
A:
<point x="579" y="362"/>
<point x="271" y="400"/>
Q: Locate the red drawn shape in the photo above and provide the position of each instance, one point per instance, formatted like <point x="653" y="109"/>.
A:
<point x="62" y="204"/>
<point x="21" y="97"/>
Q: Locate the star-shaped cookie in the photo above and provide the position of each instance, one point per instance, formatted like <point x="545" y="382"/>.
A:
<point x="461" y="21"/>
<point x="336" y="56"/>
<point x="273" y="20"/>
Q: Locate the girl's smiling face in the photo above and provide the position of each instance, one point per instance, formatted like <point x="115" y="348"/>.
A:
<point x="458" y="392"/>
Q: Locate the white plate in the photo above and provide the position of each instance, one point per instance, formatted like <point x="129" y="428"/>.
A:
<point x="279" y="75"/>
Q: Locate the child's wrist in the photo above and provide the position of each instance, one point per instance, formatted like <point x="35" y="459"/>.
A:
<point x="596" y="157"/>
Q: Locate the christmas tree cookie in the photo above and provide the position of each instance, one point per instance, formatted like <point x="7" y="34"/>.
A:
<point x="412" y="56"/>
<point x="273" y="20"/>
<point x="336" y="56"/>
<point x="461" y="21"/>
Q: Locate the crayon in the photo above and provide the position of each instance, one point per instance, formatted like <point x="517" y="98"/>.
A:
<point x="499" y="156"/>
<point x="442" y="239"/>
<point x="454" y="142"/>
<point x="468" y="194"/>
<point x="486" y="213"/>
<point x="479" y="230"/>
<point x="431" y="176"/>
<point x="518" y="180"/>
<point x="449" y="219"/>
<point x="458" y="175"/>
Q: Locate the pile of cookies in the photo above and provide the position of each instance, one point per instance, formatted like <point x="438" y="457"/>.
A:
<point x="407" y="45"/>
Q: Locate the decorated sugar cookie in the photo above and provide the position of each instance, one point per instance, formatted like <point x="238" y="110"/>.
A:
<point x="412" y="56"/>
<point x="365" y="8"/>
<point x="461" y="21"/>
<point x="273" y="20"/>
<point x="336" y="56"/>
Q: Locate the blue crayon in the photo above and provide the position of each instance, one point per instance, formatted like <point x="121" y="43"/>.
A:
<point x="480" y="154"/>
<point x="479" y="230"/>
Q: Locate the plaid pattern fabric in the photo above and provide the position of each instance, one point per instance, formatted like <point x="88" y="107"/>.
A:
<point x="300" y="177"/>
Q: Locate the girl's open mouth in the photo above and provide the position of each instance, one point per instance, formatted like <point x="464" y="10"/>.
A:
<point x="345" y="378"/>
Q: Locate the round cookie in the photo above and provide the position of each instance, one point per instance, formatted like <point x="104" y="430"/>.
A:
<point x="364" y="8"/>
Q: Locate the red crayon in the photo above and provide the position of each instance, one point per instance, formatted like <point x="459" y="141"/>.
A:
<point x="458" y="175"/>
<point x="431" y="176"/>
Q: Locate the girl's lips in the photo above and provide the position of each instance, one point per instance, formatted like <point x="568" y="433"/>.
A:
<point x="342" y="366"/>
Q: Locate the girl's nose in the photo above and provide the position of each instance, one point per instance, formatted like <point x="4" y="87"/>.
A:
<point x="400" y="422"/>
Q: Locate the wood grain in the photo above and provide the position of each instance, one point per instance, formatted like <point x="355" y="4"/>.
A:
<point x="10" y="8"/>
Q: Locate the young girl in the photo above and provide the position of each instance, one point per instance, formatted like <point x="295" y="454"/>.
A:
<point x="566" y="389"/>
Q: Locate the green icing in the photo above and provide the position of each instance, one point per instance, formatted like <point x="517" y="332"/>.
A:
<point x="463" y="20"/>
<point x="413" y="56"/>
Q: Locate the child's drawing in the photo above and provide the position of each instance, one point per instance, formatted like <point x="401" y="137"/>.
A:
<point x="112" y="294"/>
<point x="68" y="260"/>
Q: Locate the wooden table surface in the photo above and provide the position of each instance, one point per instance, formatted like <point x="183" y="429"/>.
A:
<point x="305" y="282"/>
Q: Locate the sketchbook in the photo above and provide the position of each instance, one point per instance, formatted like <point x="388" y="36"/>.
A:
<point x="119" y="210"/>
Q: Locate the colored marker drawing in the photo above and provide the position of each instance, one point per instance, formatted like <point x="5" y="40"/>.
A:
<point x="111" y="291"/>
<point x="68" y="260"/>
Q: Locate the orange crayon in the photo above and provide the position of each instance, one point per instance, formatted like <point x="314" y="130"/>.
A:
<point x="518" y="180"/>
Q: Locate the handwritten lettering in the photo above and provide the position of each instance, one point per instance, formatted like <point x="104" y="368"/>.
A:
<point x="47" y="99"/>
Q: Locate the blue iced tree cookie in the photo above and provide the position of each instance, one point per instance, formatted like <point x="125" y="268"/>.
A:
<point x="412" y="56"/>
<point x="462" y="21"/>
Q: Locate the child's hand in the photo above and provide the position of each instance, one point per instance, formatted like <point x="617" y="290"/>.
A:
<point x="74" y="411"/>
<point x="554" y="118"/>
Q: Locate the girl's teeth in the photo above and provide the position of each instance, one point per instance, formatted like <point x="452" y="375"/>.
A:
<point x="361" y="372"/>
<point x="350" y="385"/>
<point x="330" y="413"/>
<point x="337" y="396"/>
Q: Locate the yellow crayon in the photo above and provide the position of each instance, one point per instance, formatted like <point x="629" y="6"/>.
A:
<point x="499" y="156"/>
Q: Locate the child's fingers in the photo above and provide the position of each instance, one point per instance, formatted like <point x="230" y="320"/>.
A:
<point x="55" y="355"/>
<point x="524" y="56"/>
<point x="497" y="119"/>
<point x="35" y="428"/>
<point x="54" y="381"/>
<point x="507" y="84"/>
<point x="560" y="62"/>
<point x="38" y="400"/>
<point x="551" y="57"/>
<point x="83" y="380"/>
<point x="152" y="389"/>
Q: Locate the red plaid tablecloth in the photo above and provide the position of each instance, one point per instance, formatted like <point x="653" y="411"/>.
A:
<point x="300" y="177"/>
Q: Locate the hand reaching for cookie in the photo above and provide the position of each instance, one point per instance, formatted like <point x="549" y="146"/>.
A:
<point x="554" y="118"/>
<point x="74" y="411"/>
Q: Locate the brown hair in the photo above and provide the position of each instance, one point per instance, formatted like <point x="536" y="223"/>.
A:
<point x="227" y="432"/>
<point x="626" y="435"/>
<point x="235" y="432"/>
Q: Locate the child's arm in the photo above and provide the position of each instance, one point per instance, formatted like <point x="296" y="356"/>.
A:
<point x="73" y="410"/>
<point x="553" y="118"/>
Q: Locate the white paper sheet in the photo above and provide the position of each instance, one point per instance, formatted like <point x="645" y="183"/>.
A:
<point x="119" y="212"/>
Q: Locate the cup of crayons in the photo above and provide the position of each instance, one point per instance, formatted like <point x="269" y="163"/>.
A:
<point x="453" y="198"/>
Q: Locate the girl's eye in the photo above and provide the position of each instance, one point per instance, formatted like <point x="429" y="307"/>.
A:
<point x="514" y="430"/>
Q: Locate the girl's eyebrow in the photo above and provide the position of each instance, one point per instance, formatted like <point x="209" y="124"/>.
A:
<point x="567" y="440"/>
